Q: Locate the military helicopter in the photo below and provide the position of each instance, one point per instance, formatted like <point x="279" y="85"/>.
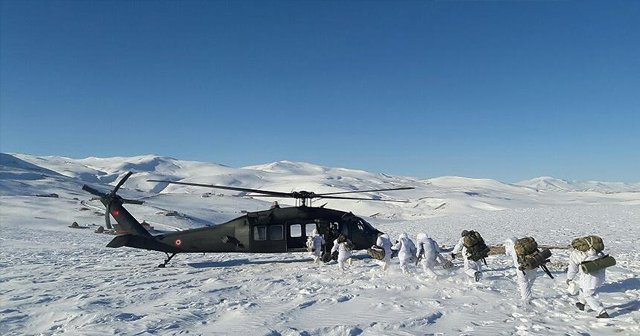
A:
<point x="279" y="229"/>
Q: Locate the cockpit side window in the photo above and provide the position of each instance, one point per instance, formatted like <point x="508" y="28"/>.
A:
<point x="260" y="233"/>
<point x="308" y="228"/>
<point x="295" y="230"/>
<point x="275" y="232"/>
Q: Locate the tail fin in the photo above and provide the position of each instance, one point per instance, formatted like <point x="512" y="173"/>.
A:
<point x="126" y="221"/>
<point x="114" y="203"/>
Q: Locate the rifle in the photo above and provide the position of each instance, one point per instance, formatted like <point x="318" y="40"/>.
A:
<point x="546" y="270"/>
<point x="421" y="254"/>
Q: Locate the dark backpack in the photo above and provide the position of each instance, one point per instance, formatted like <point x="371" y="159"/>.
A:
<point x="476" y="248"/>
<point x="530" y="256"/>
<point x="524" y="247"/>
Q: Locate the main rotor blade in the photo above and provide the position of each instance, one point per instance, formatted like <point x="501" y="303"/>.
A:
<point x="130" y="201"/>
<point x="265" y="192"/>
<point x="93" y="191"/>
<point x="364" y="191"/>
<point x="124" y="179"/>
<point x="342" y="197"/>
<point x="364" y="199"/>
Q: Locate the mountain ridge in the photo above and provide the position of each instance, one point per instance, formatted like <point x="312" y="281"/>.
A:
<point x="24" y="174"/>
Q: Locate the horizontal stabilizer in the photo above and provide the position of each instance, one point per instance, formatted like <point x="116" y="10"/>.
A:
<point x="119" y="241"/>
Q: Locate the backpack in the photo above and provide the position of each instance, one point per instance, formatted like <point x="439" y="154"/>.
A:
<point x="524" y="247"/>
<point x="476" y="248"/>
<point x="585" y="243"/>
<point x="530" y="257"/>
<point x="376" y="252"/>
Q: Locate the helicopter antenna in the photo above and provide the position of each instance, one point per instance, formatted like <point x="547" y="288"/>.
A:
<point x="303" y="198"/>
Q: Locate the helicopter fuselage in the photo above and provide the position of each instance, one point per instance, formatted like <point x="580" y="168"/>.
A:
<point x="270" y="231"/>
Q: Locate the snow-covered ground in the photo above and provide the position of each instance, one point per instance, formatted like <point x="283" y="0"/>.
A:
<point x="57" y="280"/>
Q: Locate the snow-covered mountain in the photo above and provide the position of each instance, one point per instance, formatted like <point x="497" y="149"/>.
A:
<point x="56" y="280"/>
<point x="547" y="183"/>
<point x="28" y="175"/>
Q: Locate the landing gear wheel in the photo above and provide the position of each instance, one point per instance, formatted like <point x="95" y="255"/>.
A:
<point x="169" y="257"/>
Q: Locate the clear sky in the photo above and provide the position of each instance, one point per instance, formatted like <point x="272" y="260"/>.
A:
<point x="508" y="90"/>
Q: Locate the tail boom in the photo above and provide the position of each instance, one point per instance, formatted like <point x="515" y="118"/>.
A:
<point x="146" y="243"/>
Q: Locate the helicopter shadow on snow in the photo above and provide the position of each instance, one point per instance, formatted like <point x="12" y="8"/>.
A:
<point x="248" y="261"/>
<point x="625" y="308"/>
<point x="621" y="285"/>
<point x="242" y="262"/>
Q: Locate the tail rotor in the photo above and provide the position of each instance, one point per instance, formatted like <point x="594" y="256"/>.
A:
<point x="107" y="199"/>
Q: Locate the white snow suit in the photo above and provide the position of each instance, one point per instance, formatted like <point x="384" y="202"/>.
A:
<point x="344" y="253"/>
<point x="470" y="266"/>
<point x="526" y="278"/>
<point x="589" y="283"/>
<point x="406" y="251"/>
<point x="384" y="242"/>
<point x="317" y="242"/>
<point x="430" y="252"/>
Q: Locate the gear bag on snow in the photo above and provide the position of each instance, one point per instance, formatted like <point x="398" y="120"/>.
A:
<point x="376" y="252"/>
<point x="447" y="264"/>
<point x="584" y="244"/>
<point x="476" y="248"/>
<point x="598" y="264"/>
<point x="530" y="257"/>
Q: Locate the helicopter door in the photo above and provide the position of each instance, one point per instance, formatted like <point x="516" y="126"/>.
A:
<point x="267" y="237"/>
<point x="297" y="236"/>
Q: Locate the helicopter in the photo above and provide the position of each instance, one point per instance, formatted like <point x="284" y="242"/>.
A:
<point x="276" y="230"/>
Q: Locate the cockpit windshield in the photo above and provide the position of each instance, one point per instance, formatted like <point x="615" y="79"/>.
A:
<point x="366" y="226"/>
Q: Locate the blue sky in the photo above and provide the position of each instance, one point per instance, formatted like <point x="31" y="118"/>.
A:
<point x="508" y="90"/>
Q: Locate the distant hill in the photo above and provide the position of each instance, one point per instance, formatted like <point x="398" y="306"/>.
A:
<point x="554" y="184"/>
<point x="23" y="174"/>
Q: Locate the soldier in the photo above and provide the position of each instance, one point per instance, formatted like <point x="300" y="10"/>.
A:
<point x="406" y="251"/>
<point x="524" y="278"/>
<point x="429" y="253"/>
<point x="385" y="243"/>
<point x="472" y="268"/>
<point x="343" y="246"/>
<point x="588" y="282"/>
<point x="315" y="242"/>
